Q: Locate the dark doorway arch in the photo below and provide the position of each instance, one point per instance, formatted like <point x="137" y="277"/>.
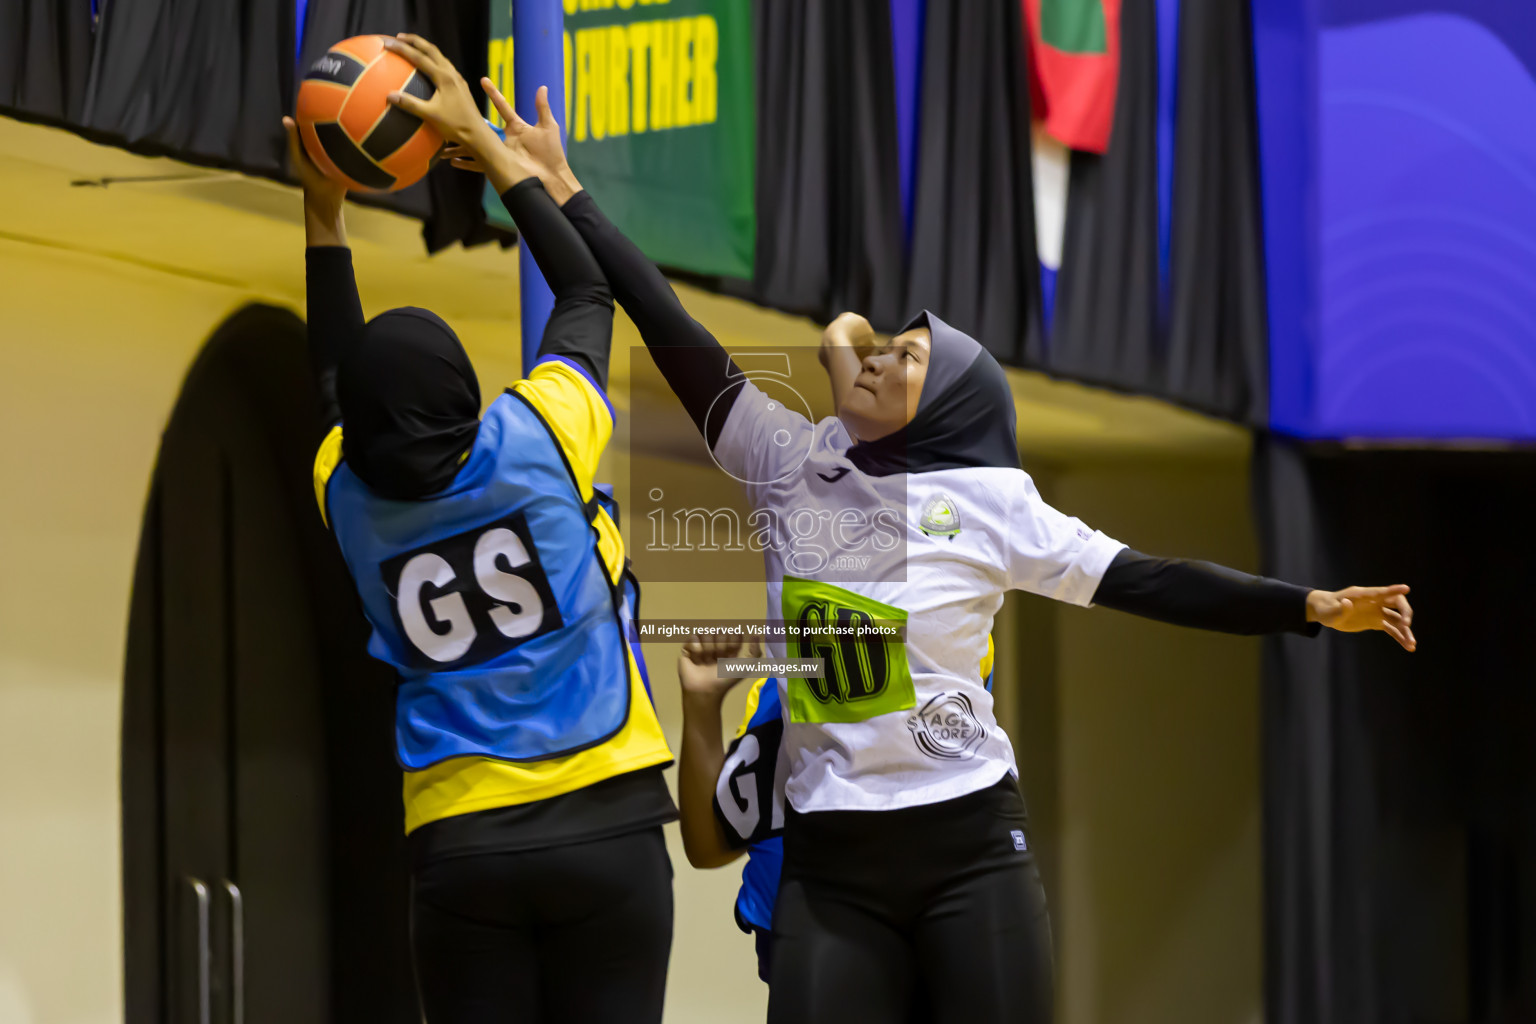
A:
<point x="264" y="862"/>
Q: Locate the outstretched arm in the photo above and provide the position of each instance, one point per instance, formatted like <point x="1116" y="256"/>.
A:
<point x="1202" y="595"/>
<point x="581" y="326"/>
<point x="334" y="311"/>
<point x="694" y="364"/>
<point x="1057" y="556"/>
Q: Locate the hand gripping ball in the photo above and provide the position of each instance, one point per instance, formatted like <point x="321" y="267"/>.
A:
<point x="349" y="127"/>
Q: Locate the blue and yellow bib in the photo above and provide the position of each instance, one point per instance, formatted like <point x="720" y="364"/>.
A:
<point x="764" y="720"/>
<point x="501" y="603"/>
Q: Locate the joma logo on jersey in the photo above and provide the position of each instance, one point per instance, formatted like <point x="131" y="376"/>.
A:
<point x="465" y="599"/>
<point x="947" y="728"/>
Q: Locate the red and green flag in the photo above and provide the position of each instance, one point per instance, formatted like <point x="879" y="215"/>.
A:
<point x="1074" y="56"/>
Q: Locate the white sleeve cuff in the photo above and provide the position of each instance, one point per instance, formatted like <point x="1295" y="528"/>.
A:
<point x="1081" y="580"/>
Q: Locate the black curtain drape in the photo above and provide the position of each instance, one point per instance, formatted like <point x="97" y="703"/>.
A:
<point x="829" y="222"/>
<point x="1400" y="790"/>
<point x="1218" y="351"/>
<point x="1211" y="353"/>
<point x="973" y="233"/>
<point x="1105" y="328"/>
<point x="208" y="81"/>
<point x="45" y="58"/>
<point x="829" y="232"/>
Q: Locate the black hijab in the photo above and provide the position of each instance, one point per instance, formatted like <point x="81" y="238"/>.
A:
<point x="410" y="404"/>
<point x="965" y="415"/>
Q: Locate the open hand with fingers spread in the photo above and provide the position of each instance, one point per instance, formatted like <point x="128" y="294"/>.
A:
<point x="539" y="142"/>
<point x="451" y="110"/>
<point x="1357" y="609"/>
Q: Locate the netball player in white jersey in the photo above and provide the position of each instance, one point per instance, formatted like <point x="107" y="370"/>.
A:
<point x="905" y="843"/>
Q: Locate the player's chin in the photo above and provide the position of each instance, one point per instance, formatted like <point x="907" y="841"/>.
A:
<point x="869" y="428"/>
<point x="862" y="414"/>
<point x="858" y="407"/>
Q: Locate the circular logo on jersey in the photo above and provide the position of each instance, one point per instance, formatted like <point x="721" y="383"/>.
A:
<point x="947" y="728"/>
<point x="941" y="517"/>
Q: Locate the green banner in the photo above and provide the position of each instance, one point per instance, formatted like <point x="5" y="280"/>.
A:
<point x="660" y="123"/>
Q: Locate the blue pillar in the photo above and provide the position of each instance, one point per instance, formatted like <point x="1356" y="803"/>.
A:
<point x="1167" y="132"/>
<point x="538" y="59"/>
<point x="908" y="21"/>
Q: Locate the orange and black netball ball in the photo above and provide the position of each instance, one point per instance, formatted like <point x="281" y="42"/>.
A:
<point x="349" y="127"/>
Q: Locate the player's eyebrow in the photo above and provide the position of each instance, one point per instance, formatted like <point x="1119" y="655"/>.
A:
<point x="914" y="343"/>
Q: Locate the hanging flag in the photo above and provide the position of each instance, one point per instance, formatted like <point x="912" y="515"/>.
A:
<point x="1074" y="57"/>
<point x="1052" y="166"/>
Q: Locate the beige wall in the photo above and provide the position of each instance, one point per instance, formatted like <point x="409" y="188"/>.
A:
<point x="1151" y="835"/>
<point x="91" y="357"/>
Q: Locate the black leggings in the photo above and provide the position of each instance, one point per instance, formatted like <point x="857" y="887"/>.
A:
<point x="576" y="934"/>
<point x="873" y="901"/>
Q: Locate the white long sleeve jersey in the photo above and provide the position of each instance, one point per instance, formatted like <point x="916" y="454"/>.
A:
<point x="907" y="721"/>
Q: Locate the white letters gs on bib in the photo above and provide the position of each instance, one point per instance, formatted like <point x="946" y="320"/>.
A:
<point x="465" y="599"/>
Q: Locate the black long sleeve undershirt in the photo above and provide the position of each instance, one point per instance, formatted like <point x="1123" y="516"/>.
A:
<point x="581" y="326"/>
<point x="335" y="318"/>
<point x="696" y="367"/>
<point x="1202" y="595"/>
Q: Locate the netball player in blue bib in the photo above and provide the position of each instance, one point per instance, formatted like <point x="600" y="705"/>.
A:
<point x="906" y="851"/>
<point x="732" y="798"/>
<point x="493" y="575"/>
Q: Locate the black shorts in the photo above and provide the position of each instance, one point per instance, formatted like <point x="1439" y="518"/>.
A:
<point x="873" y="901"/>
<point x="566" y="934"/>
